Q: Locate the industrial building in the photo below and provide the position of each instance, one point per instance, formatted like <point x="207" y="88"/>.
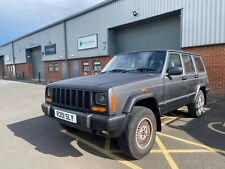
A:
<point x="83" y="43"/>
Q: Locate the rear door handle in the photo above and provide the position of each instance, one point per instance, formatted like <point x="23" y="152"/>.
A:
<point x="184" y="78"/>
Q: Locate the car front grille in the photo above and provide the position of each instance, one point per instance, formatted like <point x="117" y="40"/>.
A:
<point x="75" y="99"/>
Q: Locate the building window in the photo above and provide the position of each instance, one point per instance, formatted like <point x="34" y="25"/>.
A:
<point x="97" y="66"/>
<point x="56" y="67"/>
<point x="50" y="67"/>
<point x="86" y="66"/>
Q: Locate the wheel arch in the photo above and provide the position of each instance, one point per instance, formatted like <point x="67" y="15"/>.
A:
<point x="204" y="89"/>
<point x="147" y="100"/>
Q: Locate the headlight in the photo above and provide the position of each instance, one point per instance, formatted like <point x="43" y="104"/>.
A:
<point x="49" y="92"/>
<point x="100" y="98"/>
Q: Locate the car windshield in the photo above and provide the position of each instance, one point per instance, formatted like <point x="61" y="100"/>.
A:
<point x="152" y="61"/>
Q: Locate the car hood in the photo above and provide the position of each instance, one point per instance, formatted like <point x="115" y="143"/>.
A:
<point x="105" y="80"/>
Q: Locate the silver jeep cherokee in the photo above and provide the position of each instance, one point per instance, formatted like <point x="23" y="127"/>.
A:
<point x="127" y="99"/>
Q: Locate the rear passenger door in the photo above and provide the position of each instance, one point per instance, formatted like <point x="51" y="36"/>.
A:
<point x="190" y="75"/>
<point x="174" y="86"/>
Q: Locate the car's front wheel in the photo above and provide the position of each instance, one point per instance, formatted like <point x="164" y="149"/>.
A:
<point x="196" y="109"/>
<point x="138" y="139"/>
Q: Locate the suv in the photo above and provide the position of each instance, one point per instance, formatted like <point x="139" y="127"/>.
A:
<point x="127" y="98"/>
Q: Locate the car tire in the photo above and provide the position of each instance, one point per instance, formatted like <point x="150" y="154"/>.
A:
<point x="139" y="137"/>
<point x="196" y="109"/>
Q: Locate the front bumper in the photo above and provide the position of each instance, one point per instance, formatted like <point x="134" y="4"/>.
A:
<point x="112" y="126"/>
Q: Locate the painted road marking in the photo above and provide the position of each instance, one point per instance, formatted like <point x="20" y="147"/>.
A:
<point x="184" y="151"/>
<point x="170" y="121"/>
<point x="99" y="149"/>
<point x="193" y="143"/>
<point x="212" y="102"/>
<point x="168" y="117"/>
<point x="167" y="155"/>
<point x="183" y="109"/>
<point x="211" y="126"/>
<point x="166" y="152"/>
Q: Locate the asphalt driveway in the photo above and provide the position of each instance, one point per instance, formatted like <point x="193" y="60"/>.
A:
<point x="30" y="140"/>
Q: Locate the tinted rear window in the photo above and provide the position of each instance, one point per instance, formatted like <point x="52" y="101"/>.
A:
<point x="199" y="64"/>
<point x="188" y="64"/>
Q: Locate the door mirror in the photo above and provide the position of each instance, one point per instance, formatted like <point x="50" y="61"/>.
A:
<point x="174" y="71"/>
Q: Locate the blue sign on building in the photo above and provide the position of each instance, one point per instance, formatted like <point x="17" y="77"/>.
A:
<point x="50" y="49"/>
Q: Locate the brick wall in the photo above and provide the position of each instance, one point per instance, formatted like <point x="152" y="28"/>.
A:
<point x="53" y="75"/>
<point x="103" y="59"/>
<point x="24" y="71"/>
<point x="214" y="59"/>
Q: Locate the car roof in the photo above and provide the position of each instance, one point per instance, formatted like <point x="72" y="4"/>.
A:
<point x="161" y="50"/>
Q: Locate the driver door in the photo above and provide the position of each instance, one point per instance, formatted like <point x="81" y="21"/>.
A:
<point x="175" y="87"/>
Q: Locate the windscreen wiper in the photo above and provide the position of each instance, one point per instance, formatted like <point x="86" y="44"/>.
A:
<point x="142" y="70"/>
<point x="115" y="71"/>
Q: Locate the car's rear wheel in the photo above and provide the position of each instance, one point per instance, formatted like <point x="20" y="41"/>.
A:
<point x="196" y="109"/>
<point x="138" y="139"/>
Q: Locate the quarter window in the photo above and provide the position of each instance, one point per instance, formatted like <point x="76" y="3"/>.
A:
<point x="188" y="63"/>
<point x="199" y="64"/>
<point x="174" y="61"/>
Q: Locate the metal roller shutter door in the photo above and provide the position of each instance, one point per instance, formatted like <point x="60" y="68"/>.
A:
<point x="158" y="34"/>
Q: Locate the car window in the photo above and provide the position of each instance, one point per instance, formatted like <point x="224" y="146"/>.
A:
<point x="152" y="61"/>
<point x="188" y="63"/>
<point x="199" y="64"/>
<point x="174" y="61"/>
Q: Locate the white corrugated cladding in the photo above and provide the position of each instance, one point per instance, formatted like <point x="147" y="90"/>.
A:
<point x="203" y="22"/>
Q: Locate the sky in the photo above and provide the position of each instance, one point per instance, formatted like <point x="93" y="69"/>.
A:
<point x="19" y="17"/>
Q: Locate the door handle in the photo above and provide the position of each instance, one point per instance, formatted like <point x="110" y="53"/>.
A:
<point x="184" y="78"/>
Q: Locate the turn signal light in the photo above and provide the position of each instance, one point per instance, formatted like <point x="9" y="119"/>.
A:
<point x="48" y="99"/>
<point x="113" y="104"/>
<point x="98" y="109"/>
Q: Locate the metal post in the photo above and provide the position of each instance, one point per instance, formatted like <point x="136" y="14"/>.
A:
<point x="39" y="76"/>
<point x="23" y="76"/>
<point x="66" y="52"/>
<point x="4" y="72"/>
<point x="14" y="63"/>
